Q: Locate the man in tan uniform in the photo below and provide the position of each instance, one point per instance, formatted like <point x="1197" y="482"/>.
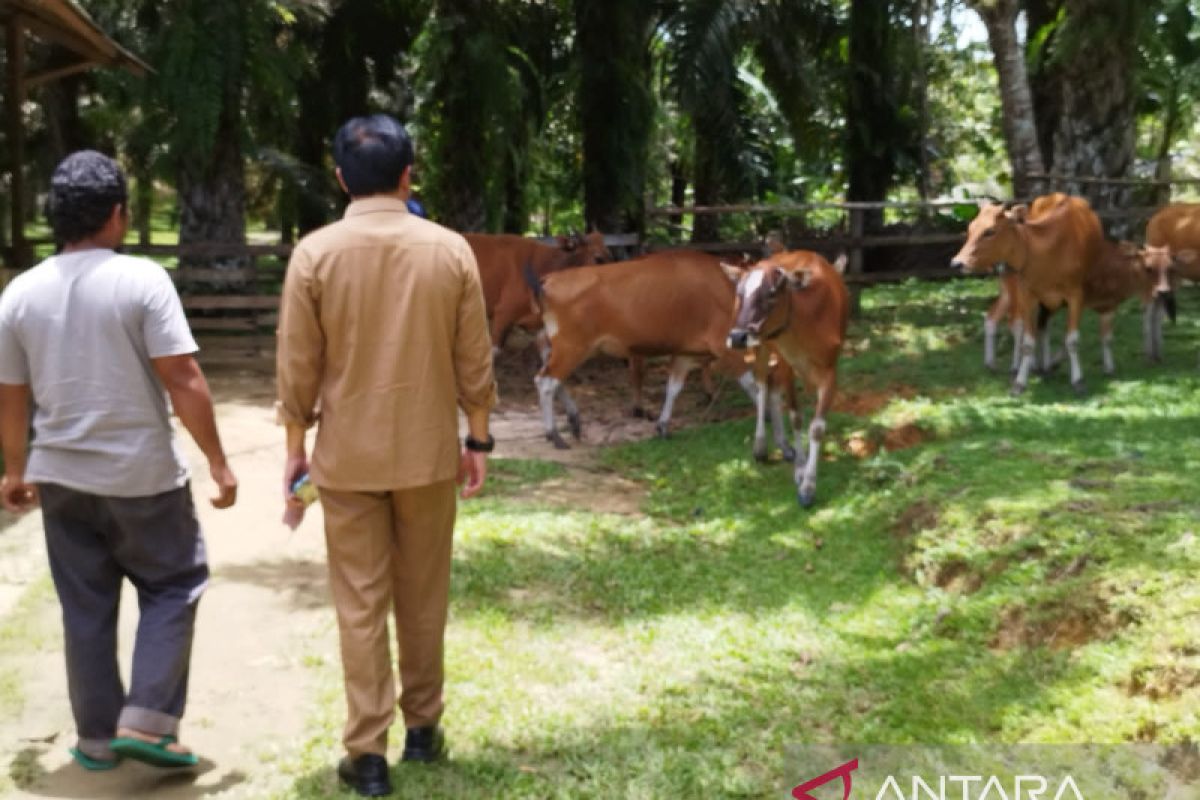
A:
<point x="383" y="329"/>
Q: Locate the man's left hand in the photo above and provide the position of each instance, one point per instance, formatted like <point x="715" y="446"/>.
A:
<point x="17" y="495"/>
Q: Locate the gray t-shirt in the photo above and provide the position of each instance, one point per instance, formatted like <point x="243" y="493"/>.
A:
<point x="80" y="330"/>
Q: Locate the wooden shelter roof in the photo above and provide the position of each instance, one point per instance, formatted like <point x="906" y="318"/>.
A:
<point x="65" y="24"/>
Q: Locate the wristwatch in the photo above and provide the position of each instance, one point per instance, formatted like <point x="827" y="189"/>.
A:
<point x="476" y="446"/>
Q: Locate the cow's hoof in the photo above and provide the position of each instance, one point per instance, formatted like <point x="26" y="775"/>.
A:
<point x="789" y="455"/>
<point x="806" y="497"/>
<point x="1080" y="388"/>
<point x="989" y="367"/>
<point x="663" y="430"/>
<point x="760" y="454"/>
<point x="1110" y="371"/>
<point x="1017" y="390"/>
<point x="576" y="426"/>
<point x="637" y="412"/>
<point x="557" y="440"/>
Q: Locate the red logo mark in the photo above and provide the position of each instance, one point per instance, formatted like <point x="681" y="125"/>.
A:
<point x="801" y="792"/>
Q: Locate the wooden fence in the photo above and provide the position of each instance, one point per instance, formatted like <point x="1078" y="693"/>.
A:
<point x="235" y="311"/>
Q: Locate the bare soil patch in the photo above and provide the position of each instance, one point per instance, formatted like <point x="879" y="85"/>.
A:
<point x="1163" y="681"/>
<point x="1059" y="627"/>
<point x="919" y="516"/>
<point x="868" y="402"/>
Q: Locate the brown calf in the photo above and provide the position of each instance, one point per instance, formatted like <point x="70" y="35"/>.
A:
<point x="797" y="304"/>
<point x="502" y="259"/>
<point x="1050" y="253"/>
<point x="673" y="303"/>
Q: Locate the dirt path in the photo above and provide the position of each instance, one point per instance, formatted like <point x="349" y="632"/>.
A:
<point x="266" y="608"/>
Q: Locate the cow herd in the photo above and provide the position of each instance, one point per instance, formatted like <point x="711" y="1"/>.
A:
<point x="1056" y="255"/>
<point x="765" y="322"/>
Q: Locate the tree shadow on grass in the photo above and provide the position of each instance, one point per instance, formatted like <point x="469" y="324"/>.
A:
<point x="726" y="734"/>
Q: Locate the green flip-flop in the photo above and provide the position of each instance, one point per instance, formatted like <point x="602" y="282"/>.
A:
<point x="93" y="764"/>
<point x="155" y="754"/>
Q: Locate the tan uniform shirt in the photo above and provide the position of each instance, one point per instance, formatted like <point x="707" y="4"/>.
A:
<point x="382" y="320"/>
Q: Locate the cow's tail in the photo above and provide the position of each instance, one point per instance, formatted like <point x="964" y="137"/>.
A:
<point x="535" y="287"/>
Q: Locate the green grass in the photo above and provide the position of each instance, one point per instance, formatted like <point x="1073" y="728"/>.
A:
<point x="1025" y="574"/>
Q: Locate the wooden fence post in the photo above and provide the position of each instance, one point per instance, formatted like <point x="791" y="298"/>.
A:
<point x="856" y="258"/>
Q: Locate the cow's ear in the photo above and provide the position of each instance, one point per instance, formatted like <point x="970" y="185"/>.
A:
<point x="1187" y="256"/>
<point x="1018" y="213"/>
<point x="840" y="263"/>
<point x="799" y="279"/>
<point x="733" y="272"/>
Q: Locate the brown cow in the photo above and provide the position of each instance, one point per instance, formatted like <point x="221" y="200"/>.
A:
<point x="502" y="259"/>
<point x="673" y="303"/>
<point x="1177" y="226"/>
<point x="796" y="303"/>
<point x="1051" y="254"/>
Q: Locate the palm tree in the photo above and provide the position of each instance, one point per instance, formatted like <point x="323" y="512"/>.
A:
<point x="616" y="108"/>
<point x="1020" y="125"/>
<point x="714" y="46"/>
<point x="485" y="66"/>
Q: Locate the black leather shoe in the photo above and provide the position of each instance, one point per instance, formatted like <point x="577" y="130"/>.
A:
<point x="424" y="744"/>
<point x="367" y="775"/>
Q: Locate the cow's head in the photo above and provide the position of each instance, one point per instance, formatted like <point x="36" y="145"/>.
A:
<point x="762" y="301"/>
<point x="580" y="250"/>
<point x="1159" y="266"/>
<point x="991" y="237"/>
<point x="597" y="251"/>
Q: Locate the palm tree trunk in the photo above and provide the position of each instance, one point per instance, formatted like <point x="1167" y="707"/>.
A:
<point x="1096" y="133"/>
<point x="1020" y="127"/>
<point x="869" y="162"/>
<point x="212" y="194"/>
<point x="616" y="109"/>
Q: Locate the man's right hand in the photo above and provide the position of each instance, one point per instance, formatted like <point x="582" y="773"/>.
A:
<point x="293" y="469"/>
<point x="227" y="484"/>
<point x="17" y="495"/>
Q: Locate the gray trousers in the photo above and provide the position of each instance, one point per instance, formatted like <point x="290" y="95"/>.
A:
<point x="94" y="543"/>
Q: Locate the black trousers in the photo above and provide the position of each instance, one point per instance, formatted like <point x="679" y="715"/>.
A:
<point x="94" y="543"/>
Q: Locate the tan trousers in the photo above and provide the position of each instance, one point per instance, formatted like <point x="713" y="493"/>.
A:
<point x="390" y="550"/>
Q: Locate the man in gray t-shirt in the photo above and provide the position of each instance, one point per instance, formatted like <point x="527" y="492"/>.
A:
<point x="93" y="344"/>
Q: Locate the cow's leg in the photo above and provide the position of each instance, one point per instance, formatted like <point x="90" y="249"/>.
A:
<point x="1028" y="343"/>
<point x="1150" y="312"/>
<point x="680" y="367"/>
<point x="991" y="322"/>
<point x="502" y="322"/>
<point x="989" y="342"/>
<point x="637" y="377"/>
<point x="549" y="382"/>
<point x="1074" y="312"/>
<point x="1046" y="361"/>
<point x="706" y="381"/>
<point x="806" y="474"/>
<point x="572" y="410"/>
<point x="783" y="391"/>
<point x="749" y="385"/>
<point x="1159" y="311"/>
<point x="1106" y="335"/>
<point x="1018" y="334"/>
<point x="761" y="400"/>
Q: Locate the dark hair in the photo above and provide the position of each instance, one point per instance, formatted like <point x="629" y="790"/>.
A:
<point x="83" y="191"/>
<point x="372" y="153"/>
